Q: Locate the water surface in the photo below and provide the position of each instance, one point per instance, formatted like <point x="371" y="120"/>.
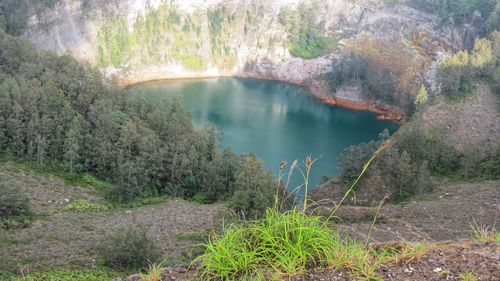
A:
<point x="275" y="120"/>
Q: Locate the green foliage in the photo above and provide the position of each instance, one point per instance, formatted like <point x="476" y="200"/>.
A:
<point x="189" y="61"/>
<point x="458" y="72"/>
<point x="215" y="21"/>
<point x="405" y="166"/>
<point x="83" y="179"/>
<point x="482" y="55"/>
<point x="307" y="38"/>
<point x="281" y="245"/>
<point x="115" y="41"/>
<point x="254" y="188"/>
<point x="66" y="274"/>
<point x="199" y="236"/>
<point x="160" y="34"/>
<point x="15" y="209"/>
<point x="129" y="247"/>
<point x="284" y="243"/>
<point x="356" y="69"/>
<point x="57" y="115"/>
<point x="422" y="146"/>
<point x="483" y="233"/>
<point x="82" y="205"/>
<point x="13" y="16"/>
<point x="489" y="169"/>
<point x="153" y="273"/>
<point x="468" y="276"/>
<point x="422" y="98"/>
<point x="352" y="159"/>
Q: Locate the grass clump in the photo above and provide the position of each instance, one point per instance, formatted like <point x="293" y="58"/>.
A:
<point x="83" y="205"/>
<point x="484" y="233"/>
<point x="199" y="236"/>
<point x="129" y="247"/>
<point x="153" y="273"/>
<point x="284" y="244"/>
<point x="287" y="244"/>
<point x="468" y="276"/>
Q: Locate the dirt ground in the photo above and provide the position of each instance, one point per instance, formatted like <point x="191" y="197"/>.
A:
<point x="445" y="214"/>
<point x="441" y="262"/>
<point x="67" y="238"/>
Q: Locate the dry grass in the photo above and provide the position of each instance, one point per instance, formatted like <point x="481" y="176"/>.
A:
<point x="484" y="233"/>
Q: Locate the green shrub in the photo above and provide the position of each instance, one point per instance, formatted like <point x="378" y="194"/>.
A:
<point x="15" y="209"/>
<point x="66" y="274"/>
<point x="200" y="198"/>
<point x="307" y="38"/>
<point x="254" y="188"/>
<point x="129" y="247"/>
<point x="86" y="179"/>
<point x="199" y="236"/>
<point x="82" y="205"/>
<point x="488" y="169"/>
<point x="284" y="243"/>
<point x="356" y="69"/>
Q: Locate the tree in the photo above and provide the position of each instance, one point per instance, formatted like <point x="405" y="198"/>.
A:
<point x="255" y="188"/>
<point x="72" y="145"/>
<point x="422" y="98"/>
<point x="352" y="159"/>
<point x="482" y="55"/>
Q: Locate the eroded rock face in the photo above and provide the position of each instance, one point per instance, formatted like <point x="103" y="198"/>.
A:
<point x="227" y="37"/>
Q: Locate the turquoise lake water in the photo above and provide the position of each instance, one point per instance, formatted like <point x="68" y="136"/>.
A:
<point x="275" y="120"/>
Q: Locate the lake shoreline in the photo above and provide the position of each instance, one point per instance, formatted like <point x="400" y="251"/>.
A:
<point x="314" y="89"/>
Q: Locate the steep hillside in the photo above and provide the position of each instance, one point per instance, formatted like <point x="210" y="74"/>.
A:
<point x="146" y="40"/>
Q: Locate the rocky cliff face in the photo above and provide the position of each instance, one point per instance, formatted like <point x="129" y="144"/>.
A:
<point x="139" y="40"/>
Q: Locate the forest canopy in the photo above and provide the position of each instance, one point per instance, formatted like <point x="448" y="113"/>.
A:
<point x="57" y="112"/>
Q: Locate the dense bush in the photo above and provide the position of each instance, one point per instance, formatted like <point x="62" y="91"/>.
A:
<point x="356" y="69"/>
<point x="489" y="169"/>
<point x="403" y="167"/>
<point x="252" y="188"/>
<point x="422" y="145"/>
<point x="128" y="247"/>
<point x="352" y="159"/>
<point x="15" y="209"/>
<point x="458" y="72"/>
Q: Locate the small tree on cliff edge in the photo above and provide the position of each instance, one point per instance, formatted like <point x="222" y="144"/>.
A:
<point x="422" y="98"/>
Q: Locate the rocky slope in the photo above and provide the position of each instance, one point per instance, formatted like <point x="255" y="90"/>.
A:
<point x="140" y="40"/>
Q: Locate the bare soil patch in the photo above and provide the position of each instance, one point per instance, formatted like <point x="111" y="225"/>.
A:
<point x="445" y="214"/>
<point x="60" y="238"/>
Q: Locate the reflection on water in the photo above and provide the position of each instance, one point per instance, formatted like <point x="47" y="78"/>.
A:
<point x="277" y="121"/>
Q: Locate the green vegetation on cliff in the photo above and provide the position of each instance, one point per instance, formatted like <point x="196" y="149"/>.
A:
<point x="157" y="36"/>
<point x="165" y="35"/>
<point x="307" y="37"/>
